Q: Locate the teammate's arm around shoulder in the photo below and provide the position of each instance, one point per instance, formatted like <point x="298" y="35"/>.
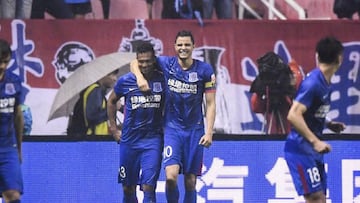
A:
<point x="140" y="79"/>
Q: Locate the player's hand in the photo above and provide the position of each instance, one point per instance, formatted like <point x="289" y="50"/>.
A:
<point x="143" y="85"/>
<point x="322" y="147"/>
<point x="336" y="127"/>
<point x="117" y="135"/>
<point x="115" y="132"/>
<point x="206" y="140"/>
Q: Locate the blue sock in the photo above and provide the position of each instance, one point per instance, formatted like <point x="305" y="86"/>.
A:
<point x="130" y="198"/>
<point x="172" y="194"/>
<point x="149" y="197"/>
<point x="190" y="196"/>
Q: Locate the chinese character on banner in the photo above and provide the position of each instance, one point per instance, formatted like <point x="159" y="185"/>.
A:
<point x="351" y="180"/>
<point x="22" y="62"/>
<point x="285" y="191"/>
<point x="227" y="182"/>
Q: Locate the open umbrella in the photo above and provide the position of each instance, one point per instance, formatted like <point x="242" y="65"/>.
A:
<point x="84" y="76"/>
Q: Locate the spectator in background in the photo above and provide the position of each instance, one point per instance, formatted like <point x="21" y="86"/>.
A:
<point x="79" y="8"/>
<point x="27" y="6"/>
<point x="149" y="6"/>
<point x="346" y="8"/>
<point x="181" y="9"/>
<point x="95" y="107"/>
<point x="56" y="8"/>
<point x="223" y="9"/>
<point x="105" y="4"/>
<point x="19" y="9"/>
<point x="90" y="112"/>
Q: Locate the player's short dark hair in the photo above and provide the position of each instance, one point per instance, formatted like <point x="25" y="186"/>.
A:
<point x="5" y="50"/>
<point x="328" y="50"/>
<point x="185" y="33"/>
<point x="145" y="47"/>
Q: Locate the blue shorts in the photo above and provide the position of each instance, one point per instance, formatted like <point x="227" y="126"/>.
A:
<point x="10" y="172"/>
<point x="133" y="160"/>
<point x="308" y="173"/>
<point x="181" y="147"/>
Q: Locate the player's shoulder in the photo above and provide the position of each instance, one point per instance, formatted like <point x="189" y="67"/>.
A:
<point x="202" y="64"/>
<point x="12" y="77"/>
<point x="166" y="58"/>
<point x="313" y="73"/>
<point x="127" y="77"/>
<point x="203" y="68"/>
<point x="310" y="85"/>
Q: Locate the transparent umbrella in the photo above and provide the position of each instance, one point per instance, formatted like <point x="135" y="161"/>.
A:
<point x="84" y="76"/>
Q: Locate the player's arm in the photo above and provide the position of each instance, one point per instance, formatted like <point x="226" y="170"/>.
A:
<point x="210" y="110"/>
<point x="140" y="79"/>
<point x="19" y="128"/>
<point x="111" y="112"/>
<point x="334" y="126"/>
<point x="296" y="118"/>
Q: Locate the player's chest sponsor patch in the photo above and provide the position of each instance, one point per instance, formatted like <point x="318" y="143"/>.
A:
<point x="193" y="77"/>
<point x="10" y="89"/>
<point x="157" y="87"/>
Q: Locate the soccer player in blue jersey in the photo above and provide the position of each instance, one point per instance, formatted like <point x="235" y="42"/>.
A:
<point x="141" y="139"/>
<point x="304" y="148"/>
<point x="187" y="80"/>
<point x="11" y="129"/>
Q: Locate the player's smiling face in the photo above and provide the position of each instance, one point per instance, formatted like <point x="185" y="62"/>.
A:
<point x="184" y="47"/>
<point x="146" y="62"/>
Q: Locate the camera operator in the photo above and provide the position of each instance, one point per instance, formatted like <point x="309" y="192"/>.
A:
<point x="273" y="90"/>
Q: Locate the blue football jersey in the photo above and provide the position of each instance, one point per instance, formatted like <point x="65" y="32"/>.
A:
<point x="314" y="92"/>
<point x="10" y="98"/>
<point x="143" y="112"/>
<point x="185" y="92"/>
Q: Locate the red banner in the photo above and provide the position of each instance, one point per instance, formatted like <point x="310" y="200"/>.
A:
<point x="46" y="52"/>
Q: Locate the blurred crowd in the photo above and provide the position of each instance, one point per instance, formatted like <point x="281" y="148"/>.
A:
<point x="60" y="9"/>
<point x="81" y="9"/>
<point x="151" y="9"/>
